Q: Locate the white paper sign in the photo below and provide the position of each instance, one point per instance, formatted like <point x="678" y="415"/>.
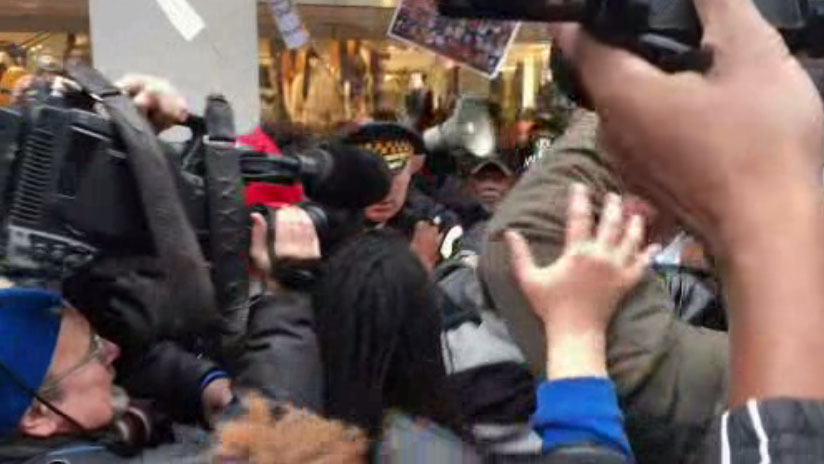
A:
<point x="288" y="22"/>
<point x="183" y="17"/>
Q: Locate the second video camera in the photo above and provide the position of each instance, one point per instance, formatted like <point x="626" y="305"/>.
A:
<point x="666" y="32"/>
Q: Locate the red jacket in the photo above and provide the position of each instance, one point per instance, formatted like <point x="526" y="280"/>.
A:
<point x="271" y="195"/>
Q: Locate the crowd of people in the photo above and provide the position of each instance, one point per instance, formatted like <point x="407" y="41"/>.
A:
<point x="647" y="290"/>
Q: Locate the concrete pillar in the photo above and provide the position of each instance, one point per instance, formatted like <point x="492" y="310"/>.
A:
<point x="136" y="36"/>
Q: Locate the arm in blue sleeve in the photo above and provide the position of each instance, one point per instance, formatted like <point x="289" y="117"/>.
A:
<point x="580" y="411"/>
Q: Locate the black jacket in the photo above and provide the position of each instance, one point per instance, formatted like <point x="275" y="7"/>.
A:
<point x="779" y="431"/>
<point x="149" y="377"/>
<point x="282" y="357"/>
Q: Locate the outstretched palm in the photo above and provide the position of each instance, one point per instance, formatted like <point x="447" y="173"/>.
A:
<point x="581" y="290"/>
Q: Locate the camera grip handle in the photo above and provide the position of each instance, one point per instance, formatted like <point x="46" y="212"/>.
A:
<point x="668" y="54"/>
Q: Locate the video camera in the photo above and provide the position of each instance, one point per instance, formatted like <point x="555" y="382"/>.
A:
<point x="67" y="191"/>
<point x="665" y="32"/>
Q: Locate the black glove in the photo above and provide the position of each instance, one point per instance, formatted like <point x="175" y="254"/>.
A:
<point x="172" y="377"/>
<point x="126" y="299"/>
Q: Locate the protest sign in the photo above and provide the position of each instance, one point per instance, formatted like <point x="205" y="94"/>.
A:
<point x="480" y="45"/>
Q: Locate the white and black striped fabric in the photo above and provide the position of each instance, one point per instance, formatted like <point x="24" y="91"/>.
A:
<point x="776" y="431"/>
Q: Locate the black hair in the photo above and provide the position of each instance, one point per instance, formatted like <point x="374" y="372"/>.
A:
<point x="379" y="331"/>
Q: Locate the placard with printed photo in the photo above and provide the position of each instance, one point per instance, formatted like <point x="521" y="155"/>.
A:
<point x="480" y="45"/>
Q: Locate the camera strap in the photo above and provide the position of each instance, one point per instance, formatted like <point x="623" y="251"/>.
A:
<point x="228" y="227"/>
<point x="188" y="284"/>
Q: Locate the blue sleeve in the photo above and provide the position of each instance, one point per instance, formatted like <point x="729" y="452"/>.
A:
<point x="211" y="376"/>
<point x="580" y="411"/>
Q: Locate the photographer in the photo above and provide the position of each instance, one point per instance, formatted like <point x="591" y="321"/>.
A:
<point x="58" y="376"/>
<point x="281" y="356"/>
<point x="175" y="391"/>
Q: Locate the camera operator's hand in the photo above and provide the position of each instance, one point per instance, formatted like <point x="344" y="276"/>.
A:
<point x="295" y="240"/>
<point x="162" y="105"/>
<point x="736" y="153"/>
<point x="215" y="398"/>
<point x="578" y="294"/>
<point x="710" y="141"/>
<point x="426" y="244"/>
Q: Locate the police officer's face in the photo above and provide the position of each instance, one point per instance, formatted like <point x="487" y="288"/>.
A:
<point x="382" y="212"/>
<point x="81" y="371"/>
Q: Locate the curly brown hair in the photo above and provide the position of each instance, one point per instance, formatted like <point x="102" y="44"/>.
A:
<point x="289" y="436"/>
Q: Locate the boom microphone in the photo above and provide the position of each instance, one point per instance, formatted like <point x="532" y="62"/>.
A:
<point x="355" y="179"/>
<point x="335" y="175"/>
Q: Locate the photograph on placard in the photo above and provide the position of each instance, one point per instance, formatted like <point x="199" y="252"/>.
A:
<point x="480" y="45"/>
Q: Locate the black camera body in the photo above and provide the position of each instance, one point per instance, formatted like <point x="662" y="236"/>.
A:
<point x="666" y="32"/>
<point x="67" y="192"/>
<point x="68" y="189"/>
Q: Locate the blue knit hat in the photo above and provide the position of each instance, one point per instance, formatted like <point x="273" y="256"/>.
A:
<point x="29" y="325"/>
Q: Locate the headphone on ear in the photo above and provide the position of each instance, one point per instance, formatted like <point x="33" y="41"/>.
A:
<point x="17" y="381"/>
<point x="119" y="439"/>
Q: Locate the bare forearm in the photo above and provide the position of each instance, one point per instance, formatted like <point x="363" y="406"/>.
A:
<point x="774" y="276"/>
<point x="573" y="353"/>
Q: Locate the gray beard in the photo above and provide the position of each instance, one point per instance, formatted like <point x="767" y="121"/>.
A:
<point x="120" y="400"/>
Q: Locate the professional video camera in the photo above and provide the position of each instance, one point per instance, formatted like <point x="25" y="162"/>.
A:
<point x="83" y="175"/>
<point x="666" y="32"/>
<point x="67" y="191"/>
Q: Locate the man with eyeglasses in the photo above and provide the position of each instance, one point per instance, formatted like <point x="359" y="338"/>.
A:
<point x="58" y="399"/>
<point x="61" y="385"/>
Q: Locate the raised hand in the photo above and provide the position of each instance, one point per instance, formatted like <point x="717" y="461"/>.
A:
<point x="581" y="290"/>
<point x="576" y="296"/>
<point x="157" y="99"/>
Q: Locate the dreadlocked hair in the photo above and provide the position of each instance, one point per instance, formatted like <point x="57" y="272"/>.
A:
<point x="379" y="331"/>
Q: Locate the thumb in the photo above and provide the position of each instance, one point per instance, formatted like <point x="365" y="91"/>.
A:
<point x="520" y="256"/>
<point x="143" y="100"/>
<point x="258" y="251"/>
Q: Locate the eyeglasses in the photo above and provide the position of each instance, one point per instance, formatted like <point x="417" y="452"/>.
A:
<point x="96" y="353"/>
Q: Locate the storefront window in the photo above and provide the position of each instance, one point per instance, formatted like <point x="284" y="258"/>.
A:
<point x="350" y="71"/>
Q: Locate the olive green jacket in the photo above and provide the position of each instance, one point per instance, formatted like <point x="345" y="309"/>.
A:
<point x="671" y="377"/>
